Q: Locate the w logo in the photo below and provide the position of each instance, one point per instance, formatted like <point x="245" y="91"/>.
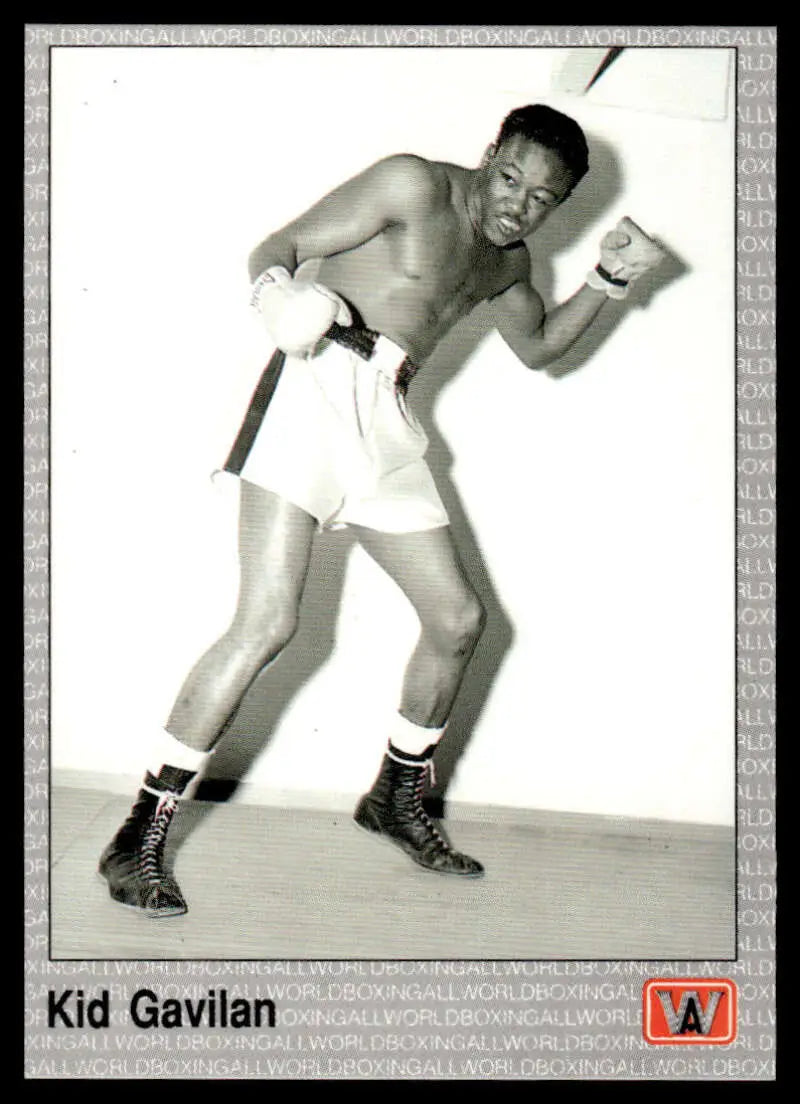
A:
<point x="689" y="1010"/>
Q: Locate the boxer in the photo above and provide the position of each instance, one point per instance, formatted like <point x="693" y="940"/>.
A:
<point x="407" y="248"/>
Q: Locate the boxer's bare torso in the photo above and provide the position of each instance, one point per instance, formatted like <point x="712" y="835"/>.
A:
<point x="414" y="280"/>
<point x="414" y="245"/>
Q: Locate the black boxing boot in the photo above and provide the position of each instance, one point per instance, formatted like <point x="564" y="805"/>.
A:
<point x="133" y="863"/>
<point x="393" y="809"/>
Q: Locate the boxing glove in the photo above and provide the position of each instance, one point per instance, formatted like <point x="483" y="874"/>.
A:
<point x="626" y="253"/>
<point x="296" y="313"/>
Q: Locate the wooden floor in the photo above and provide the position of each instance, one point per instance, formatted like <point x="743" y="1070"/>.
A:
<point x="267" y="883"/>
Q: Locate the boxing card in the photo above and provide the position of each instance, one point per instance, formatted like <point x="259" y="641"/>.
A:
<point x="609" y="754"/>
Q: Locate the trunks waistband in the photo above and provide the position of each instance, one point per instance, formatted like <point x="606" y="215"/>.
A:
<point x="361" y="340"/>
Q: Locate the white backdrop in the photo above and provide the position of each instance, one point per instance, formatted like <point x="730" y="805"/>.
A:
<point x="598" y="503"/>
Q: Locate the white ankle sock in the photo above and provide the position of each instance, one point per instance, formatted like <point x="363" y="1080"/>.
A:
<point x="412" y="738"/>
<point x="166" y="750"/>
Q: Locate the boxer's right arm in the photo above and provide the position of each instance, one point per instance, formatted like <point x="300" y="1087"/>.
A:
<point x="391" y="191"/>
<point x="298" y="314"/>
<point x="274" y="252"/>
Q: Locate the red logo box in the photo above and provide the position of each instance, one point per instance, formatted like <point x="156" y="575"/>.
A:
<point x="689" y="1010"/>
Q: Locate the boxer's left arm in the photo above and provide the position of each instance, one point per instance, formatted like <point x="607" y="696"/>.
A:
<point x="536" y="336"/>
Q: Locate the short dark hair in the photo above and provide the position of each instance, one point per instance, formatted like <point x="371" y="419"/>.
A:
<point x="552" y="129"/>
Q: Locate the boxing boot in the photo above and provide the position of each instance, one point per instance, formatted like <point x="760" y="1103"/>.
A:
<point x="393" y="809"/>
<point x="133" y="862"/>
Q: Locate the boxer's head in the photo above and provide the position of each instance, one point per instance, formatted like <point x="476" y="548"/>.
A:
<point x="536" y="160"/>
<point x="549" y="128"/>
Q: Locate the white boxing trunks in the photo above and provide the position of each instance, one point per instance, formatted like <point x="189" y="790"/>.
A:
<point x="334" y="435"/>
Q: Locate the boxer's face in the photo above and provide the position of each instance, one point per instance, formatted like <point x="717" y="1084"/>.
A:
<point x="521" y="183"/>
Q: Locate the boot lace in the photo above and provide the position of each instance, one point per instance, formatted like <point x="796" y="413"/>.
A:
<point x="439" y="840"/>
<point x="155" y="838"/>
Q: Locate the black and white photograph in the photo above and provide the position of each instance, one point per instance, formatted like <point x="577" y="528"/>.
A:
<point x="468" y="588"/>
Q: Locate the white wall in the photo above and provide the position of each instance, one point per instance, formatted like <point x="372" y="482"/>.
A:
<point x="597" y="505"/>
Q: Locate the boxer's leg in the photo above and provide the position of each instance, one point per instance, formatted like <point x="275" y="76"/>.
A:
<point x="275" y="539"/>
<point x="426" y="567"/>
<point x="274" y="547"/>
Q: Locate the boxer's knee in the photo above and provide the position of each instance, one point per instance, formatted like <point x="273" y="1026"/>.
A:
<point x="258" y="640"/>
<point x="455" y="625"/>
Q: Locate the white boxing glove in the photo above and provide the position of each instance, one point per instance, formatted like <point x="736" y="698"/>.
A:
<point x="626" y="253"/>
<point x="296" y="313"/>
